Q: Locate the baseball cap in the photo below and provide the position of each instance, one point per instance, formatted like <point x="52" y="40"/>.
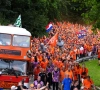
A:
<point x="13" y="87"/>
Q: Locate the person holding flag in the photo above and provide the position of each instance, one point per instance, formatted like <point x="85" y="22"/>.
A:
<point x="53" y="40"/>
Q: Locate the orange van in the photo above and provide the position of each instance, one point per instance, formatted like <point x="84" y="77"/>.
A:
<point x="15" y="43"/>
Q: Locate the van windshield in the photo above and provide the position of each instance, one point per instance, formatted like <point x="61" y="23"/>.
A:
<point x="19" y="67"/>
<point x="5" y="39"/>
<point x="21" y="41"/>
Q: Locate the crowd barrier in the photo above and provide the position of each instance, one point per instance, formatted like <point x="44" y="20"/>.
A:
<point x="86" y="58"/>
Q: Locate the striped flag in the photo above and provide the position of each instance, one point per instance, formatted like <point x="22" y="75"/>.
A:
<point x="81" y="34"/>
<point x="18" y="22"/>
<point x="49" y="27"/>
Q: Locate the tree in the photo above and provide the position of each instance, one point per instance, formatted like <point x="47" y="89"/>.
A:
<point x="90" y="12"/>
<point x="36" y="14"/>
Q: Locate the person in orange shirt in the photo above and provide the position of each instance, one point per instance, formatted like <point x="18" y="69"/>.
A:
<point x="78" y="68"/>
<point x="85" y="49"/>
<point x="36" y="71"/>
<point x="39" y="56"/>
<point x="89" y="48"/>
<point x="76" y="52"/>
<point x="55" y="61"/>
<point x="68" y="56"/>
<point x="72" y="54"/>
<point x="66" y="64"/>
<point x="83" y="71"/>
<point x="69" y="73"/>
<point x="75" y="76"/>
<point x="44" y="63"/>
<point x="59" y="64"/>
<point x="62" y="73"/>
<point x="88" y="84"/>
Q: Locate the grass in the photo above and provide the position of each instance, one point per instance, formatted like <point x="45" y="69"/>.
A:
<point x="94" y="71"/>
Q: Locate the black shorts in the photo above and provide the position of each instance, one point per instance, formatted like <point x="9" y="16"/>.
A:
<point x="98" y="58"/>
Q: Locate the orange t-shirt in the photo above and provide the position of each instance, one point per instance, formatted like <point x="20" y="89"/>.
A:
<point x="62" y="75"/>
<point x="78" y="70"/>
<point x="89" y="48"/>
<point x="82" y="70"/>
<point x="78" y="51"/>
<point x="75" y="77"/>
<point x="73" y="55"/>
<point x="40" y="58"/>
<point x="85" y="47"/>
<point x="36" y="72"/>
<point x="94" y="40"/>
<point x="70" y="73"/>
<point x="55" y="62"/>
<point x="59" y="64"/>
<point x="44" y="64"/>
<point x="87" y="83"/>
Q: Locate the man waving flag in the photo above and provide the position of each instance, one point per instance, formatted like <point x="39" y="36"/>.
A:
<point x="18" y="22"/>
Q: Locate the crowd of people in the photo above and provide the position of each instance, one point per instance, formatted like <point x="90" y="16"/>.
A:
<point x="54" y="65"/>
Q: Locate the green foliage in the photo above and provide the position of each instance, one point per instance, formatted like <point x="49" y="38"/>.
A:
<point x="36" y="14"/>
<point x="3" y="21"/>
<point x="90" y="12"/>
<point x="74" y="10"/>
<point x="94" y="71"/>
